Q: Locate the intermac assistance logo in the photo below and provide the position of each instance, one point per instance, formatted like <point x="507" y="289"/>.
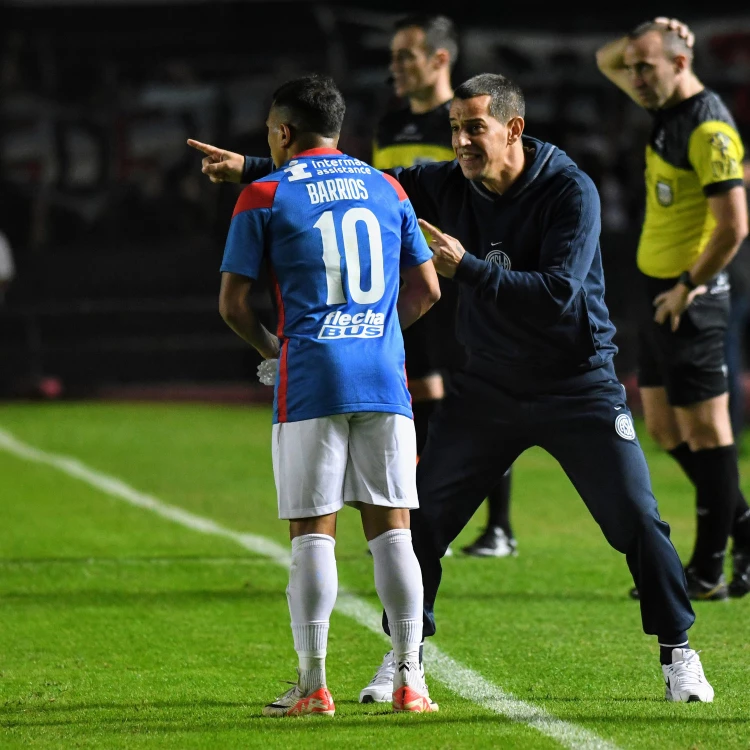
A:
<point x="364" y="325"/>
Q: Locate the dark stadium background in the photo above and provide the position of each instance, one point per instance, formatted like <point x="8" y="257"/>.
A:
<point x="117" y="237"/>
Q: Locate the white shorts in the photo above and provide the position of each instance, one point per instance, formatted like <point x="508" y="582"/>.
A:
<point x="367" y="457"/>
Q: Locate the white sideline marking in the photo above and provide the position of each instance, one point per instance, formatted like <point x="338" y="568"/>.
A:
<point x="460" y="679"/>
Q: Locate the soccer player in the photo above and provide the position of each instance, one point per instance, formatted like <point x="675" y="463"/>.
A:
<point x="696" y="218"/>
<point x="519" y="234"/>
<point x="339" y="238"/>
<point x="424" y="49"/>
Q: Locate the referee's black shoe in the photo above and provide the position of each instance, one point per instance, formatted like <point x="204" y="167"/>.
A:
<point x="740" y="584"/>
<point x="699" y="590"/>
<point x="492" y="542"/>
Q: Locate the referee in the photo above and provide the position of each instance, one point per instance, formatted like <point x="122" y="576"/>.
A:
<point x="695" y="221"/>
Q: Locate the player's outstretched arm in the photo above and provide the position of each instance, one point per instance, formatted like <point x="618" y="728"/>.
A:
<point x="419" y="292"/>
<point x="218" y="164"/>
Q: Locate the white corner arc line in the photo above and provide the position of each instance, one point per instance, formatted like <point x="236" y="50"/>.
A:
<point x="455" y="676"/>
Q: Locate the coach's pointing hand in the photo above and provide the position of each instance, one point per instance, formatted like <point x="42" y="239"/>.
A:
<point x="447" y="251"/>
<point x="219" y="165"/>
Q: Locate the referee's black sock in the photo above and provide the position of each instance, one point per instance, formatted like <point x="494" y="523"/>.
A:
<point x="683" y="455"/>
<point x="499" y="505"/>
<point x="422" y="411"/>
<point x="716" y="477"/>
<point x="741" y="522"/>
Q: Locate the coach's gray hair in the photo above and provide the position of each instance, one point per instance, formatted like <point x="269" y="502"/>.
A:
<point x="506" y="98"/>
<point x="674" y="44"/>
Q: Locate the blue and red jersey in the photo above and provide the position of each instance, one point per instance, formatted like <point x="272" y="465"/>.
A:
<point x="335" y="233"/>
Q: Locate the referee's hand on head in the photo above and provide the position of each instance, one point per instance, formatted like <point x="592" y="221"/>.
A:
<point x="682" y="29"/>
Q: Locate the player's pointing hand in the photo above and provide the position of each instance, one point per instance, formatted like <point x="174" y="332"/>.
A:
<point x="447" y="251"/>
<point x="219" y="165"/>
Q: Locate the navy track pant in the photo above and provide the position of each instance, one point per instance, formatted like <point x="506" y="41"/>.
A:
<point x="479" y="430"/>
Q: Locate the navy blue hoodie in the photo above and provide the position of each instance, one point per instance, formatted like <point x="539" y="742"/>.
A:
<point x="531" y="311"/>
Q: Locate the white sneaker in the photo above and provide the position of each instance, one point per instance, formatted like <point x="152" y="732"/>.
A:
<point x="380" y="687"/>
<point x="685" y="681"/>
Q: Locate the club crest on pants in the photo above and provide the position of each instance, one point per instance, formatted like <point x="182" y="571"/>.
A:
<point x="624" y="427"/>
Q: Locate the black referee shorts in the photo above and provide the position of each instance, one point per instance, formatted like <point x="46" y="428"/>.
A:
<point x="691" y="362"/>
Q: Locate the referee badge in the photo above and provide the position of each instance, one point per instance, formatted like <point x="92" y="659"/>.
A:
<point x="624" y="427"/>
<point x="664" y="192"/>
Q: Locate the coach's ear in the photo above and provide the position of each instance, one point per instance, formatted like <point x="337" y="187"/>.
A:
<point x="515" y="129"/>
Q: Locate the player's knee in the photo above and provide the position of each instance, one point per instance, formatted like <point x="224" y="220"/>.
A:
<point x="377" y="519"/>
<point x="315" y="525"/>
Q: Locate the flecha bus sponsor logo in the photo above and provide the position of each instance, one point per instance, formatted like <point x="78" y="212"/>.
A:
<point x="362" y="325"/>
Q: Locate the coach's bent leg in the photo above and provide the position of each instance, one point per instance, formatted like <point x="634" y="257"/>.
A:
<point x="600" y="452"/>
<point x="464" y="458"/>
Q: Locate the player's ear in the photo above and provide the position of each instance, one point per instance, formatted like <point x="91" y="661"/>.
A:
<point x="287" y="134"/>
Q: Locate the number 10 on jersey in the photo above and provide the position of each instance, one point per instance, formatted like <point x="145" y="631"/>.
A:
<point x="332" y="256"/>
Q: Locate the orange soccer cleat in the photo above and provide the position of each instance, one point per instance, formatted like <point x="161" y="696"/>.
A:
<point x="295" y="703"/>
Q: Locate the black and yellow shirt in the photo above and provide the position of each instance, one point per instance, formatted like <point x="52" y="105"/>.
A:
<point x="404" y="139"/>
<point x="694" y="152"/>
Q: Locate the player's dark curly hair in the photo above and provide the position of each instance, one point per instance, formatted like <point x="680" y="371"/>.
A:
<point x="439" y="32"/>
<point x="314" y="104"/>
<point x="506" y="98"/>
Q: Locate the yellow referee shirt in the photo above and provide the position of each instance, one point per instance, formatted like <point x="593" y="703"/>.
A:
<point x="694" y="152"/>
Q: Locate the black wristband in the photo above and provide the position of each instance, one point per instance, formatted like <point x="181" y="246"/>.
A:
<point x="686" y="280"/>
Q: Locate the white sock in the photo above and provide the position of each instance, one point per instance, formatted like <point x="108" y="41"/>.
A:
<point x="311" y="594"/>
<point x="398" y="581"/>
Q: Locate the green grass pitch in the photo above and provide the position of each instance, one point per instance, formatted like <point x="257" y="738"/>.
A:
<point x="120" y="628"/>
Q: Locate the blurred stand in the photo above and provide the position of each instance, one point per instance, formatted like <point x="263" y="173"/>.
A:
<point x="117" y="235"/>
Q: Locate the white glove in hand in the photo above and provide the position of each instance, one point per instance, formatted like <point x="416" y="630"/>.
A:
<point x="267" y="370"/>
